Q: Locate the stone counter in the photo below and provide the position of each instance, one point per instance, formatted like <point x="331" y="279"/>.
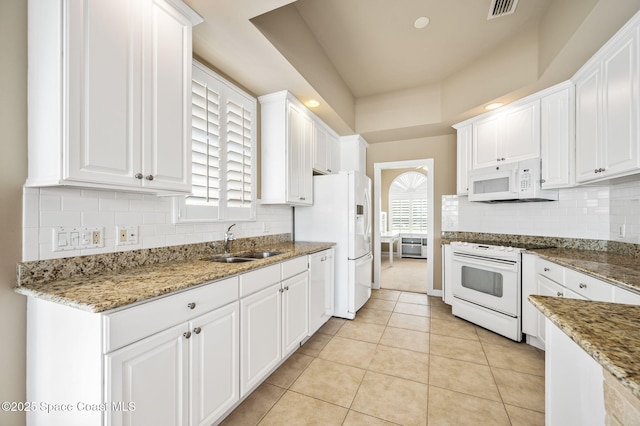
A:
<point x="619" y="269"/>
<point x="111" y="290"/>
<point x="608" y="332"/>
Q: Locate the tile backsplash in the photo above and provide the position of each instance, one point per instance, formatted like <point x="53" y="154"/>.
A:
<point x="46" y="208"/>
<point x="593" y="212"/>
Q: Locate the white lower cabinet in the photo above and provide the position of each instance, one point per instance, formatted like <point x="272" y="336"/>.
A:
<point x="295" y="312"/>
<point x="183" y="359"/>
<point x="153" y="375"/>
<point x="188" y="374"/>
<point x="274" y="320"/>
<point x="261" y="333"/>
<point x="321" y="281"/>
<point x="574" y="390"/>
<point x="545" y="278"/>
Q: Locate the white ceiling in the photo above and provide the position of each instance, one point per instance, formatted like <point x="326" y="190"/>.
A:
<point x="376" y="49"/>
<point x="355" y="55"/>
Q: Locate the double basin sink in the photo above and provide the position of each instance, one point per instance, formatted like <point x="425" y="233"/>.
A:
<point x="247" y="257"/>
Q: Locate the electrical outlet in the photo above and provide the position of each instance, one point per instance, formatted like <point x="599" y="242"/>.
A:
<point x="122" y="236"/>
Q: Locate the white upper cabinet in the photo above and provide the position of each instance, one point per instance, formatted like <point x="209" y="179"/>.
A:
<point x="353" y="153"/>
<point x="287" y="136"/>
<point x="508" y="136"/>
<point x="557" y="141"/>
<point x="607" y="141"/>
<point x="326" y="154"/>
<point x="109" y="94"/>
<point x="464" y="141"/>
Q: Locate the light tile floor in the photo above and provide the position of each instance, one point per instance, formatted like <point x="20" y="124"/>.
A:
<point x="404" y="360"/>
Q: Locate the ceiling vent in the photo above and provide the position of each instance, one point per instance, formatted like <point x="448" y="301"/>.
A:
<point x="500" y="8"/>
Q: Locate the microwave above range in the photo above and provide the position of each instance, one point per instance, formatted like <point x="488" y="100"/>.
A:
<point x="515" y="182"/>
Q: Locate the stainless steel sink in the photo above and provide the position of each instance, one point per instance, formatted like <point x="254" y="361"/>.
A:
<point x="261" y="254"/>
<point x="231" y="259"/>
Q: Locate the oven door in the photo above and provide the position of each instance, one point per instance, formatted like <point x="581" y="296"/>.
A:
<point x="491" y="283"/>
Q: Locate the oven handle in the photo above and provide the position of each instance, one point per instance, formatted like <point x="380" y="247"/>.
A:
<point x="479" y="261"/>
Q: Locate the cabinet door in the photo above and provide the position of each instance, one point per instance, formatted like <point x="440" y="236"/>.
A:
<point x="464" y="159"/>
<point x="320" y="289"/>
<point x="556" y="139"/>
<point x="299" y="158"/>
<point x="521" y="133"/>
<point x="152" y="374"/>
<point x="295" y="312"/>
<point x="261" y="330"/>
<point x="486" y="142"/>
<point x="104" y="96"/>
<point x="167" y="106"/>
<point x="215" y="368"/>
<point x="588" y="131"/>
<point x="320" y="150"/>
<point x="333" y="153"/>
<point x="620" y="109"/>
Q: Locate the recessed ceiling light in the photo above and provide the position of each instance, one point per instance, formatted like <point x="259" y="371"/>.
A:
<point x="421" y="22"/>
<point x="494" y="105"/>
<point x="312" y="103"/>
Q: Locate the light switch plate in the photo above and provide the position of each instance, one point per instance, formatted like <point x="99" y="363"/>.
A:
<point x="77" y="238"/>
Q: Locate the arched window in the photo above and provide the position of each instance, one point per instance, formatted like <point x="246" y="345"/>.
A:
<point x="408" y="202"/>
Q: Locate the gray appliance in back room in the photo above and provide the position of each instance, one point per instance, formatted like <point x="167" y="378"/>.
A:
<point x="341" y="213"/>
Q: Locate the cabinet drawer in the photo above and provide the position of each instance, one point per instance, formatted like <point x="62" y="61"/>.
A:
<point x="129" y="325"/>
<point x="550" y="270"/>
<point x="259" y="279"/>
<point x="294" y="267"/>
<point x="621" y="295"/>
<point x="589" y="287"/>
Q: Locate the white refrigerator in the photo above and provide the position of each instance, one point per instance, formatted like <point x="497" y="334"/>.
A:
<point x="341" y="213"/>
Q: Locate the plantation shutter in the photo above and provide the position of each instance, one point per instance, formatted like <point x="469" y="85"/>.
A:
<point x="400" y="215"/>
<point x="205" y="157"/>
<point x="239" y="152"/>
<point x="223" y="152"/>
<point x="419" y="214"/>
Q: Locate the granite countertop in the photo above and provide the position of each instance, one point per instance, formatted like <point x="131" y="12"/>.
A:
<point x="608" y="332"/>
<point x="619" y="269"/>
<point x="107" y="291"/>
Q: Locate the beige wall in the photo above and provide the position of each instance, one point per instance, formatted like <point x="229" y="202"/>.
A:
<point x="13" y="172"/>
<point x="443" y="151"/>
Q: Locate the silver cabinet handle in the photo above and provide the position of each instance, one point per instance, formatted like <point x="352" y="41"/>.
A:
<point x="302" y="198"/>
<point x="138" y="176"/>
<point x="560" y="294"/>
<point x="287" y="288"/>
<point x="582" y="285"/>
<point x="543" y="180"/>
<point x="187" y="334"/>
<point x="191" y="305"/>
<point x="197" y="330"/>
<point x="547" y="269"/>
<point x="281" y="290"/>
<point x="149" y="177"/>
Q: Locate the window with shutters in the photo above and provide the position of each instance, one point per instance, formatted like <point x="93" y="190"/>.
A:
<point x="223" y="151"/>
<point x="408" y="203"/>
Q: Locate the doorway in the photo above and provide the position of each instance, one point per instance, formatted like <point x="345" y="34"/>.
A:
<point x="422" y="278"/>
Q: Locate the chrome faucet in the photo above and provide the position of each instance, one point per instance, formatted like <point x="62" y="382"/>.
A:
<point x="228" y="236"/>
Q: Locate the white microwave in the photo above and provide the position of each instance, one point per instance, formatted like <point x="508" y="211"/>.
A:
<point x="515" y="182"/>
